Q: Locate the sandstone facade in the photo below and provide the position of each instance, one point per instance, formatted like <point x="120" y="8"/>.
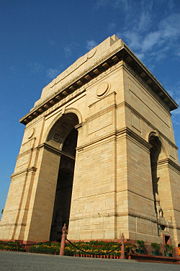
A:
<point x="98" y="153"/>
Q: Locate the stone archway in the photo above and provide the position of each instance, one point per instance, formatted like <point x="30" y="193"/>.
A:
<point x="63" y="137"/>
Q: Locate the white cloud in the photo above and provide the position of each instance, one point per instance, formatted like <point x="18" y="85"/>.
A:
<point x="70" y="48"/>
<point x="151" y="29"/>
<point x="175" y="119"/>
<point x="176" y="114"/>
<point x="160" y="53"/>
<point x="36" y="67"/>
<point x="170" y="26"/>
<point x="140" y="56"/>
<point x="144" y="21"/>
<point x="133" y="38"/>
<point x="175" y="93"/>
<point x="156" y="42"/>
<point x="68" y="51"/>
<point x="150" y="40"/>
<point x="90" y="44"/>
<point x="52" y="73"/>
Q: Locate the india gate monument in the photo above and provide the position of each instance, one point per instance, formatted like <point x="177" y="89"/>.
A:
<point x="99" y="154"/>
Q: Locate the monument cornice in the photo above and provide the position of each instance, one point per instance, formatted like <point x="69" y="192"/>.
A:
<point x="168" y="161"/>
<point x="121" y="53"/>
<point x="151" y="125"/>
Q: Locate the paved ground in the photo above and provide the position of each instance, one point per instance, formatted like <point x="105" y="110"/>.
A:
<point x="14" y="261"/>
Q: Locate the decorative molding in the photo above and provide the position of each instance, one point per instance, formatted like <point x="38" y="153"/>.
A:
<point x="102" y="89"/>
<point x="101" y="112"/>
<point x="133" y="94"/>
<point x="129" y="132"/>
<point x="168" y="161"/>
<point x="149" y="123"/>
<point x="119" y="214"/>
<point x="12" y="224"/>
<point x="24" y="153"/>
<point x="25" y="171"/>
<point x="31" y="133"/>
<point x="79" y="125"/>
<point x="91" y="53"/>
<point x="121" y="53"/>
<point x="122" y="132"/>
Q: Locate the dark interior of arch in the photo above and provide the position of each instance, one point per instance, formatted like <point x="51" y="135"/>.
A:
<point x="62" y="128"/>
<point x="154" y="155"/>
<point x="62" y="202"/>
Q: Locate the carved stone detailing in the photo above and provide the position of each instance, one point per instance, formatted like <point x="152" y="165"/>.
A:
<point x="78" y="126"/>
<point x="121" y="132"/>
<point x="102" y="89"/>
<point x="170" y="162"/>
<point x="91" y="53"/>
<point x="31" y="132"/>
<point x="100" y="122"/>
<point x="150" y="124"/>
<point x="135" y="136"/>
<point x="31" y="169"/>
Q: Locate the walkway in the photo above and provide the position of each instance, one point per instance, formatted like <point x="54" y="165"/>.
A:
<point x="16" y="261"/>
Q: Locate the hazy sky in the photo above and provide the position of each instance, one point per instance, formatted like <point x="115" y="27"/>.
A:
<point x="40" y="38"/>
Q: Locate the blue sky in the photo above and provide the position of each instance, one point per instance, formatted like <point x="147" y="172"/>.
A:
<point x="39" y="39"/>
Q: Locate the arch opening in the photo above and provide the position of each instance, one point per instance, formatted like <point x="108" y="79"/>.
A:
<point x="154" y="155"/>
<point x="63" y="136"/>
<point x="155" y="151"/>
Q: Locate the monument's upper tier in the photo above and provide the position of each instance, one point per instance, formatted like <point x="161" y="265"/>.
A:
<point x="90" y="65"/>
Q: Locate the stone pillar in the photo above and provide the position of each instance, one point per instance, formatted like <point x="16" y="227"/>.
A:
<point x="63" y="240"/>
